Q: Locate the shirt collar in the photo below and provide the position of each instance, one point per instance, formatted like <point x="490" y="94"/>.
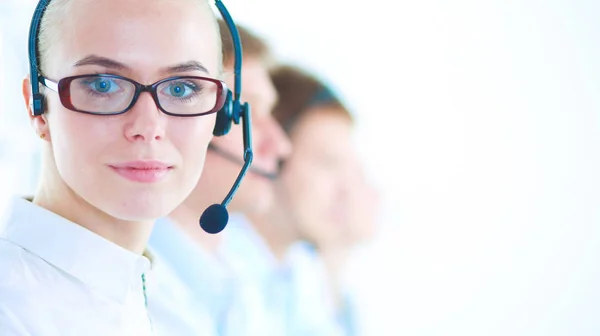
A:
<point x="86" y="256"/>
<point x="247" y="249"/>
<point x="184" y="254"/>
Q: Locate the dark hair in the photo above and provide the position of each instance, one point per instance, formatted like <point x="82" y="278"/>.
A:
<point x="298" y="92"/>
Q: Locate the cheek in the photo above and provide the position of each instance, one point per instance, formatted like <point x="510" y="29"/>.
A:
<point x="232" y="142"/>
<point x="79" y="137"/>
<point x="308" y="189"/>
<point x="191" y="136"/>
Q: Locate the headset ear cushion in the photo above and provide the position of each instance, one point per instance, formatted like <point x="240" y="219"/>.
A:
<point x="38" y="105"/>
<point x="224" y="117"/>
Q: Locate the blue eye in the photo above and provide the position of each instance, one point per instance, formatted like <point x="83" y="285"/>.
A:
<point x="177" y="90"/>
<point x="181" y="89"/>
<point x="103" y="85"/>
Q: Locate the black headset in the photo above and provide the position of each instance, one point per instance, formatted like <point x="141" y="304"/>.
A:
<point x="215" y="217"/>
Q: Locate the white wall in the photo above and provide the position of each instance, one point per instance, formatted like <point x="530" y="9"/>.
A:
<point x="18" y="145"/>
<point x="480" y="120"/>
<point x="484" y="132"/>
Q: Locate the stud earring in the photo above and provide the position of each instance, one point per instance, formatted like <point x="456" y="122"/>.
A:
<point x="43" y="136"/>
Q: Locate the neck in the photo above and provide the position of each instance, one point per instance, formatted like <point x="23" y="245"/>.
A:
<point x="275" y="228"/>
<point x="61" y="200"/>
<point x="335" y="259"/>
<point x="187" y="218"/>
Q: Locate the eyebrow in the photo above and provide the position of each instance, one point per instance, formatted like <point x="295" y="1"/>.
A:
<point x="101" y="61"/>
<point x="185" y="67"/>
<point x="112" y="64"/>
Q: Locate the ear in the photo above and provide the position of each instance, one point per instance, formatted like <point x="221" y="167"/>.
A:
<point x="39" y="123"/>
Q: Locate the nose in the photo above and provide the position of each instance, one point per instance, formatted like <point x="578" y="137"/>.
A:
<point x="146" y="123"/>
<point x="346" y="185"/>
<point x="278" y="139"/>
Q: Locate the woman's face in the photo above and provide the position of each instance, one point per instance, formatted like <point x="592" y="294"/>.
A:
<point x="102" y="158"/>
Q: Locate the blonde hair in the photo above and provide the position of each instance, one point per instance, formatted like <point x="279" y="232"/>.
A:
<point x="57" y="10"/>
<point x="48" y="33"/>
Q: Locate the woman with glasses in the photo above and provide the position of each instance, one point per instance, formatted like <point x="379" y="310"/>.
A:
<point x="125" y="112"/>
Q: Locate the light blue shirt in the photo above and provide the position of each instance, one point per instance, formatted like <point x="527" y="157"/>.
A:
<point x="171" y="305"/>
<point x="295" y="290"/>
<point x="235" y="306"/>
<point x="247" y="290"/>
<point x="346" y="316"/>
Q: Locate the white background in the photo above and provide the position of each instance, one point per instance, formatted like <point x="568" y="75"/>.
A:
<point x="480" y="121"/>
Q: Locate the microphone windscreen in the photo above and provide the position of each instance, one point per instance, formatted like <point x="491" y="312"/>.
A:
<point x="214" y="219"/>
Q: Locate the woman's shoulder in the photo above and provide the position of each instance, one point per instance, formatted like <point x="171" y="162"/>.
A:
<point x="22" y="303"/>
<point x="23" y="270"/>
<point x="17" y="270"/>
<point x="17" y="264"/>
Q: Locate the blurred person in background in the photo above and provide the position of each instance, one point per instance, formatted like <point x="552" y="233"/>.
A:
<point x="360" y="227"/>
<point x="198" y="258"/>
<point x="324" y="204"/>
<point x="112" y="161"/>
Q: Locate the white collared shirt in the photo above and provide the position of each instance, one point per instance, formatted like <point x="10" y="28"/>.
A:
<point x="58" y="278"/>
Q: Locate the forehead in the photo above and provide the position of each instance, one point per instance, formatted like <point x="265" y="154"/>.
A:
<point x="257" y="87"/>
<point x="323" y="129"/>
<point x="143" y="34"/>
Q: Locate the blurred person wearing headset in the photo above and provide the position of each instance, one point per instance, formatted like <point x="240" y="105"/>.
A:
<point x="125" y="106"/>
<point x="323" y="202"/>
<point x="199" y="257"/>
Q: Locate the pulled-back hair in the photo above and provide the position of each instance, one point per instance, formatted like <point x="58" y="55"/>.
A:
<point x="299" y="92"/>
<point x="55" y="14"/>
<point x="252" y="45"/>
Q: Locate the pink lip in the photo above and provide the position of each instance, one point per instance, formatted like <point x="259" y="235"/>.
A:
<point x="142" y="171"/>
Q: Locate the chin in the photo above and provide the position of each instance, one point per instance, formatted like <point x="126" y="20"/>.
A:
<point x="262" y="204"/>
<point x="141" y="208"/>
<point x="254" y="204"/>
<point x="257" y="197"/>
<point x="139" y="213"/>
